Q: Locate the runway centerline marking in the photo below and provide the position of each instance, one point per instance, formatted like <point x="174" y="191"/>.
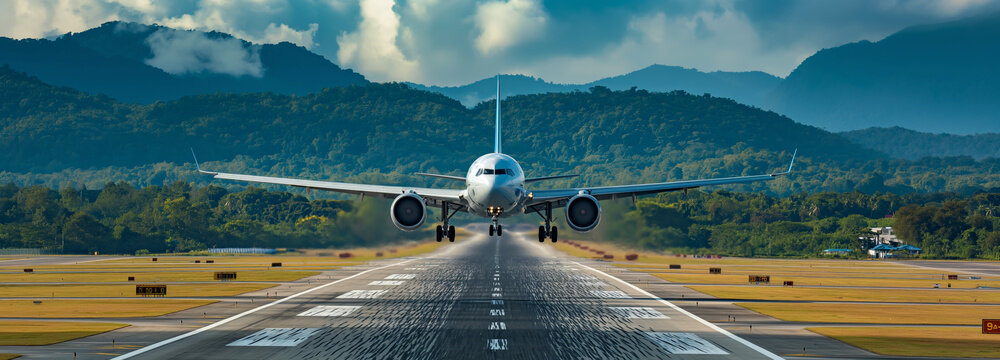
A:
<point x="276" y="337"/>
<point x="330" y="310"/>
<point x="638" y="312"/>
<point x="362" y="294"/>
<point x="248" y="312"/>
<point x="401" y="276"/>
<point x="497" y="344"/>
<point x="498" y="325"/>
<point x="496" y="312"/>
<point x="684" y="343"/>
<point x="712" y="326"/>
<point x="386" y="283"/>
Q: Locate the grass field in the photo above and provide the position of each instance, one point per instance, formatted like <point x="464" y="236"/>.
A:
<point x="154" y="276"/>
<point x="951" y="342"/>
<point x="128" y="290"/>
<point x="847" y="294"/>
<point x="309" y="257"/>
<point x="876" y="313"/>
<point x="20" y="333"/>
<point x="741" y="279"/>
<point x="6" y="356"/>
<point x="96" y="308"/>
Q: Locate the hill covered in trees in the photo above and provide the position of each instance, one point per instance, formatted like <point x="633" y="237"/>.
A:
<point x="912" y="145"/>
<point x="383" y="132"/>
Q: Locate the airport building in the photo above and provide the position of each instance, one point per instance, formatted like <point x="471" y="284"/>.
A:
<point x="882" y="243"/>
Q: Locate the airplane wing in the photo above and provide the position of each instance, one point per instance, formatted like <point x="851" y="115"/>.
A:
<point x="431" y="196"/>
<point x="559" y="197"/>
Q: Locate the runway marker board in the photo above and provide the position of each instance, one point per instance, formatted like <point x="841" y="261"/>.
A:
<point x="276" y="337"/>
<point x="684" y="343"/>
<point x="639" y="312"/>
<point x="330" y="310"/>
<point x="362" y="294"/>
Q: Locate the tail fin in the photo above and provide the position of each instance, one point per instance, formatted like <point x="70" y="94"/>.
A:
<point x="496" y="135"/>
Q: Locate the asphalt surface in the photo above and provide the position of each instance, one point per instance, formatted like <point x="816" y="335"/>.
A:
<point x="478" y="298"/>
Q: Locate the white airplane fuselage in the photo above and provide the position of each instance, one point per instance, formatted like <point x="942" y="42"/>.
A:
<point x="495" y="186"/>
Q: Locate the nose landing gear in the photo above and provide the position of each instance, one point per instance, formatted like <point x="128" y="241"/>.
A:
<point x="496" y="228"/>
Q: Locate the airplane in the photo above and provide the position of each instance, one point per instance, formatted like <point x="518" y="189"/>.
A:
<point x="495" y="189"/>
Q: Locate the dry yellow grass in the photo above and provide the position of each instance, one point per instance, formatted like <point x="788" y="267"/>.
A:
<point x="876" y="313"/>
<point x="96" y="308"/>
<point x="308" y="257"/>
<point x="153" y="276"/>
<point x="128" y="290"/>
<point x="7" y="356"/>
<point x="20" y="333"/>
<point x="846" y="294"/>
<point x="823" y="281"/>
<point x="948" y="342"/>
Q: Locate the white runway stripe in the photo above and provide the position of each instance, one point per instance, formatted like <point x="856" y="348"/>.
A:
<point x="497" y="344"/>
<point x="362" y="294"/>
<point x="683" y="343"/>
<point x="610" y="294"/>
<point x="330" y="310"/>
<point x="401" y="276"/>
<point x="276" y="337"/>
<point x="386" y="283"/>
<point x="639" y="312"/>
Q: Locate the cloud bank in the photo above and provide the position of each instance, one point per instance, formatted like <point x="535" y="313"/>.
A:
<point x="454" y="42"/>
<point x="187" y="52"/>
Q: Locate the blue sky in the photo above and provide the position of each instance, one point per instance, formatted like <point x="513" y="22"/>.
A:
<point x="443" y="42"/>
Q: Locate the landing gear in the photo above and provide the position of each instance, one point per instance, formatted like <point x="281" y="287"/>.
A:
<point x="495" y="227"/>
<point x="547" y="230"/>
<point x="444" y="230"/>
<point x="499" y="230"/>
<point x="492" y="230"/>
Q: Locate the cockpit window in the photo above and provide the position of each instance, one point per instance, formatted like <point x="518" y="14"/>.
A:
<point x="501" y="171"/>
<point x="488" y="171"/>
<point x="480" y="172"/>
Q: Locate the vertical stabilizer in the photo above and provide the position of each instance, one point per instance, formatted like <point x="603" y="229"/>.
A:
<point x="496" y="135"/>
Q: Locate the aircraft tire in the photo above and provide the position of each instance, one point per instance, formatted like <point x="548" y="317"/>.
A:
<point x="499" y="230"/>
<point x="541" y="234"/>
<point x="555" y="234"/>
<point x="451" y="233"/>
<point x="439" y="233"/>
<point x="491" y="230"/>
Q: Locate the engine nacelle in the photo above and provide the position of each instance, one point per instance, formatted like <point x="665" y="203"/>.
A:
<point x="583" y="212"/>
<point x="408" y="211"/>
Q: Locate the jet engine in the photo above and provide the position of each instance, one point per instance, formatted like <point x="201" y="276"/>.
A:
<point x="583" y="212"/>
<point x="408" y="211"/>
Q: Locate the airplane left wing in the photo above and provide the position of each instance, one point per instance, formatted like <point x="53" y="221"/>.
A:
<point x="431" y="196"/>
<point x="559" y="197"/>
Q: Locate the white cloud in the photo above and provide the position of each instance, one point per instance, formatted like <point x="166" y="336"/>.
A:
<point x="373" y="49"/>
<point x="504" y="24"/>
<point x="35" y="19"/>
<point x="278" y="33"/>
<point x="187" y="52"/>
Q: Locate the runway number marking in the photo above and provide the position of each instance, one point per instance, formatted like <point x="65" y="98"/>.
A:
<point x="683" y="343"/>
<point x="497" y="344"/>
<point x="386" y="283"/>
<point x="496" y="295"/>
<point x="276" y="337"/>
<point x="362" y="294"/>
<point x="498" y="325"/>
<point x="401" y="276"/>
<point x="639" y="312"/>
<point x="330" y="310"/>
<point x="496" y="312"/>
<point x="610" y="294"/>
<point x="496" y="302"/>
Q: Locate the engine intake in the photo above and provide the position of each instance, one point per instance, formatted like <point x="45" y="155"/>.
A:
<point x="408" y="211"/>
<point x="583" y="213"/>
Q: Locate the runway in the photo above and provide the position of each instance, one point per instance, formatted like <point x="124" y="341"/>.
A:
<point x="477" y="298"/>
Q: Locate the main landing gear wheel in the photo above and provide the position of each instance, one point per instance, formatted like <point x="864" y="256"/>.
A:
<point x="541" y="233"/>
<point x="499" y="229"/>
<point x="440" y="233"/>
<point x="492" y="230"/>
<point x="555" y="234"/>
<point x="451" y="234"/>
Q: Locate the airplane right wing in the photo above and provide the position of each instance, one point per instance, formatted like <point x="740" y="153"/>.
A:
<point x="559" y="197"/>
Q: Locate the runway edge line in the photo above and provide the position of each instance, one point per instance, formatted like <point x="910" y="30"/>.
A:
<point x="248" y="312"/>
<point x="743" y="341"/>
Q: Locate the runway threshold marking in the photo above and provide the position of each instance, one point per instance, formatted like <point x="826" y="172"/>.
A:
<point x="248" y="312"/>
<point x="330" y="310"/>
<point x="362" y="294"/>
<point x="610" y="294"/>
<point x="276" y="337"/>
<point x="386" y="283"/>
<point x="684" y="343"/>
<point x="401" y="277"/>
<point x="638" y="312"/>
<point x="712" y="326"/>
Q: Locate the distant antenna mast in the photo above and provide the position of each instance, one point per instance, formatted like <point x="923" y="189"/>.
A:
<point x="496" y="136"/>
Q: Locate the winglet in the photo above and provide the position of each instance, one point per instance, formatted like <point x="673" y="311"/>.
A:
<point x="793" y="161"/>
<point x="198" y="166"/>
<point x="496" y="139"/>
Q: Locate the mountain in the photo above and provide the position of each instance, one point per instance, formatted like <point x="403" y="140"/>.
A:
<point x="932" y="78"/>
<point x="744" y="87"/>
<point x="908" y="144"/>
<point x="147" y="63"/>
<point x="382" y="133"/>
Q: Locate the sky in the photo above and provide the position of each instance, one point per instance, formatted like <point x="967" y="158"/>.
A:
<point x="452" y="42"/>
